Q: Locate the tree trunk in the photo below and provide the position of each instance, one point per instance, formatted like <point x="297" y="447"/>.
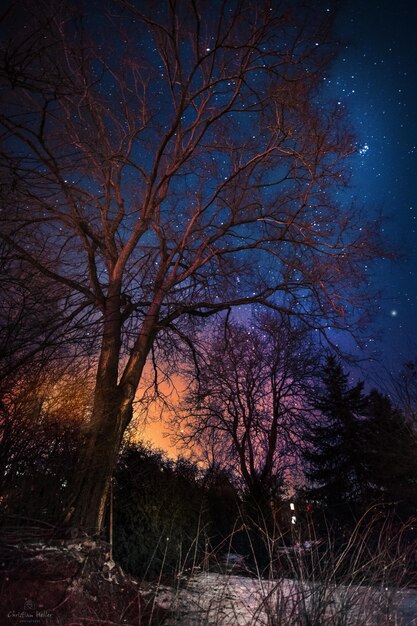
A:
<point x="89" y="487"/>
<point x="95" y="468"/>
<point x="112" y="412"/>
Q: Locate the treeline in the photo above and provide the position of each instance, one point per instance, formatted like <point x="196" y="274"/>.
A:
<point x="359" y="450"/>
<point x="356" y="454"/>
<point x="169" y="516"/>
<point x="350" y="451"/>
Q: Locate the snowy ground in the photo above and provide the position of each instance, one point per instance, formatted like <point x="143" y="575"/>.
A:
<point x="215" y="599"/>
<point x="91" y="588"/>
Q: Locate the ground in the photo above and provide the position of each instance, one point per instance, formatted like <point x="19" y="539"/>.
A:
<point x="77" y="583"/>
<point x="69" y="585"/>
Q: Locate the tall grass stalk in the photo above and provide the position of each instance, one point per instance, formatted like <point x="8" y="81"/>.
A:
<point x="329" y="582"/>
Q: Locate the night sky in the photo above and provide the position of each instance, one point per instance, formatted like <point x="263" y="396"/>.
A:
<point x="198" y="223"/>
<point x="375" y="77"/>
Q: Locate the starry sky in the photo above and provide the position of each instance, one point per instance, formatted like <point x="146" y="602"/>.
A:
<point x="375" y="77"/>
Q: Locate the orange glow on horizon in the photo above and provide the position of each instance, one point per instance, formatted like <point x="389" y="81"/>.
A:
<point x="156" y="426"/>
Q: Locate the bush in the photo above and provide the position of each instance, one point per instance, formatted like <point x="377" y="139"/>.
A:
<point x="159" y="517"/>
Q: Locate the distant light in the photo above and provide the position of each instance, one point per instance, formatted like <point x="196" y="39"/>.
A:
<point x="394" y="313"/>
<point x="292" y="507"/>
<point x="293" y="519"/>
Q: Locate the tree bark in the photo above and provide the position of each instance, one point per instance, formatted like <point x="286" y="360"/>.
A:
<point x="90" y="488"/>
<point x="112" y="413"/>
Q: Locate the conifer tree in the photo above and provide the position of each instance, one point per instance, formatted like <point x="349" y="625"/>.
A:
<point x="334" y="456"/>
<point x="391" y="454"/>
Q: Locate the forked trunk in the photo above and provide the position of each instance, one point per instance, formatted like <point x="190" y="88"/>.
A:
<point x="112" y="412"/>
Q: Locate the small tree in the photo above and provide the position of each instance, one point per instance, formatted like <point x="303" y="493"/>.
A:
<point x="159" y="517"/>
<point x="402" y="387"/>
<point x="243" y="410"/>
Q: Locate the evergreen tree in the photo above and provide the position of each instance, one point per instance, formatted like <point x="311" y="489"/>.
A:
<point x="334" y="456"/>
<point x="391" y="454"/>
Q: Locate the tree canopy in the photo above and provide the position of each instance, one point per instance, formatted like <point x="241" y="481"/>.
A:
<point x="163" y="163"/>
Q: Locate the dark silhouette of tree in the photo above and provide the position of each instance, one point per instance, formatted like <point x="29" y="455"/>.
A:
<point x="402" y="387"/>
<point x="243" y="410"/>
<point x="42" y="428"/>
<point x="165" y="163"/>
<point x="45" y="394"/>
<point x="336" y="454"/>
<point x="159" y="517"/>
<point x="224" y="512"/>
<point x="390" y="442"/>
<point x="36" y="331"/>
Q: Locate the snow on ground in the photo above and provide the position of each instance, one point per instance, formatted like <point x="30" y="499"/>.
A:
<point x="225" y="600"/>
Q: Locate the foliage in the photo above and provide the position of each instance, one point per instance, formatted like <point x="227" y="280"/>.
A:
<point x="390" y="445"/>
<point x="42" y="424"/>
<point x="361" y="450"/>
<point x="223" y="509"/>
<point x="159" y="518"/>
<point x="335" y="458"/>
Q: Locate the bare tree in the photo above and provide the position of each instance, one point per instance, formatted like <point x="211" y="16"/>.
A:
<point x="245" y="409"/>
<point x="42" y="425"/>
<point x="167" y="162"/>
<point x="37" y="328"/>
<point x="402" y="388"/>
